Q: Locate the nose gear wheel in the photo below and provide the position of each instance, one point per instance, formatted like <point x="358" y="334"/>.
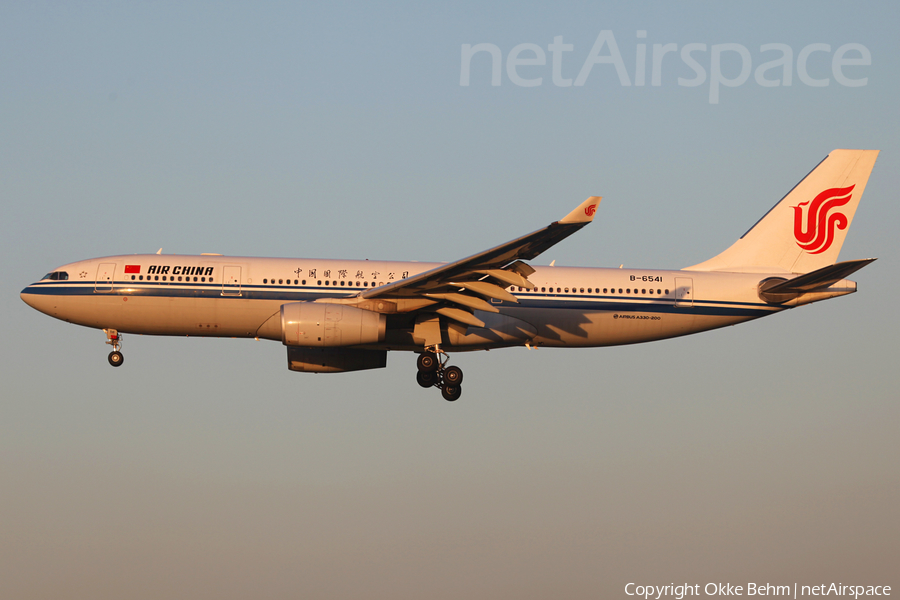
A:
<point x="115" y="340"/>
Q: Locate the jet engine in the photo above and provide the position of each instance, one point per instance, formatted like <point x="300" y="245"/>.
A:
<point x="318" y="324"/>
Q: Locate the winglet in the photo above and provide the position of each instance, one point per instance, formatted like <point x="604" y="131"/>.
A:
<point x="584" y="213"/>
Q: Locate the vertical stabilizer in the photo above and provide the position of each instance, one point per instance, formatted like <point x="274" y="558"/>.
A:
<point x="806" y="229"/>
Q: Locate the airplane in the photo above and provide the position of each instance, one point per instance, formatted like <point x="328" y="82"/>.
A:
<point x="345" y="315"/>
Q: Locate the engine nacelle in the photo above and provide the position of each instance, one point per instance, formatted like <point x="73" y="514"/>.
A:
<point x="318" y="324"/>
<point x="334" y="360"/>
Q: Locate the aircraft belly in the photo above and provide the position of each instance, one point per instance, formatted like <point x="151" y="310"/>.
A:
<point x="219" y="317"/>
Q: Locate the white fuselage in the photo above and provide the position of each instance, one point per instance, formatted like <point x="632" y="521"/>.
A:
<point x="242" y="297"/>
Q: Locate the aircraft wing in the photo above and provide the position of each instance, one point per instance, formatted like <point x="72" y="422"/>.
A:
<point x="486" y="273"/>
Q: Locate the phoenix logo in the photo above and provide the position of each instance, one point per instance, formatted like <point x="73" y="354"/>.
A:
<point x="822" y="217"/>
<point x="590" y="210"/>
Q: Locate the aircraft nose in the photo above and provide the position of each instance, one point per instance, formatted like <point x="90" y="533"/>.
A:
<point x="36" y="301"/>
<point x="27" y="297"/>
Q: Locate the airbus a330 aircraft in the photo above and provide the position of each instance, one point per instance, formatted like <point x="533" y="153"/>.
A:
<point x="345" y="315"/>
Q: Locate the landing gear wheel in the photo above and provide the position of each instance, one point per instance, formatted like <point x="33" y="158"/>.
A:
<point x="427" y="362"/>
<point x="426" y="379"/>
<point x="116" y="359"/>
<point x="453" y="375"/>
<point x="451" y="393"/>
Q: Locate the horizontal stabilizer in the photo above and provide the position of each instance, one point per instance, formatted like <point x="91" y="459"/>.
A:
<point x="778" y="290"/>
<point x="821" y="278"/>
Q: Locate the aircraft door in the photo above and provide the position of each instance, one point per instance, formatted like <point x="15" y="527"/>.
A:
<point x="105" y="274"/>
<point x="231" y="280"/>
<point x="684" y="291"/>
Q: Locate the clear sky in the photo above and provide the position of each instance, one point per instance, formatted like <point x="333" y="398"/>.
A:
<point x="203" y="468"/>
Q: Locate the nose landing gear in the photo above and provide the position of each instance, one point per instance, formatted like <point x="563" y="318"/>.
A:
<point x="115" y="340"/>
<point x="433" y="373"/>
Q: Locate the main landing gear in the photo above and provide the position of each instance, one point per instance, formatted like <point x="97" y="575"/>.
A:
<point x="434" y="373"/>
<point x="115" y="340"/>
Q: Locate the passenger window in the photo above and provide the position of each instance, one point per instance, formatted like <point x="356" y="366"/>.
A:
<point x="643" y="291"/>
<point x="265" y="281"/>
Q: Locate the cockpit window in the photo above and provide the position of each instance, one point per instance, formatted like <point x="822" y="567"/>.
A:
<point x="56" y="276"/>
